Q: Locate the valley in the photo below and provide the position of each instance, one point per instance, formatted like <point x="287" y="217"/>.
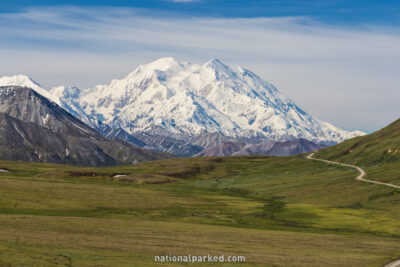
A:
<point x="284" y="209"/>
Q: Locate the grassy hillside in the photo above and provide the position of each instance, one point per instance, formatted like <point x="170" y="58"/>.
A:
<point x="377" y="153"/>
<point x="274" y="211"/>
<point x="380" y="147"/>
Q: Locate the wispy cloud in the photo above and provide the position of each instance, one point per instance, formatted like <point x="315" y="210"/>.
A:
<point x="346" y="76"/>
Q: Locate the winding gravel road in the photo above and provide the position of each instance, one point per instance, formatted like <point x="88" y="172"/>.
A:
<point x="359" y="177"/>
<point x="393" y="264"/>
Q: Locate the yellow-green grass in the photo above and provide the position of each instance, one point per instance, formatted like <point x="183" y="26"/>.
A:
<point x="274" y="211"/>
<point x="69" y="241"/>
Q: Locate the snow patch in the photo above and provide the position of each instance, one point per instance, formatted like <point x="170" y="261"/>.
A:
<point x="119" y="175"/>
<point x="20" y="133"/>
<point x="45" y="119"/>
<point x="80" y="128"/>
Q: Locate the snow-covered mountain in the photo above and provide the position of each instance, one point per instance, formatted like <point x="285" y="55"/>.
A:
<point x="25" y="81"/>
<point x="191" y="99"/>
<point x="183" y="100"/>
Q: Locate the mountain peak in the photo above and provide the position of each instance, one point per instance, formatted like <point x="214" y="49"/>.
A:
<point x="25" y="81"/>
<point x="20" y="80"/>
<point x="214" y="62"/>
<point x="165" y="60"/>
<point x="217" y="65"/>
<point x="163" y="64"/>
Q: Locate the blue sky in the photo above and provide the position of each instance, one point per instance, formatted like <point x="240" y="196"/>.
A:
<point x="338" y="60"/>
<point x="333" y="11"/>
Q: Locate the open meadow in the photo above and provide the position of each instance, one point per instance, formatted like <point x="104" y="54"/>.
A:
<point x="275" y="211"/>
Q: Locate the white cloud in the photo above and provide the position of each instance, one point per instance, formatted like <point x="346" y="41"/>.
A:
<point x="347" y="76"/>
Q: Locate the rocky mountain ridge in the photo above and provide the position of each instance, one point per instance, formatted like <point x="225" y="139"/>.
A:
<point x="33" y="128"/>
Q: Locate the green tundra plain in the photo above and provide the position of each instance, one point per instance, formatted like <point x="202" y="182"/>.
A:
<point x="275" y="211"/>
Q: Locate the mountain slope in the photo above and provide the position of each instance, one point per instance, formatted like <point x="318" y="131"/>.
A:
<point x="224" y="149"/>
<point x="27" y="105"/>
<point x="265" y="148"/>
<point x="36" y="129"/>
<point x="294" y="147"/>
<point x="162" y="143"/>
<point x="26" y="141"/>
<point x="121" y="134"/>
<point x="67" y="97"/>
<point x="382" y="146"/>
